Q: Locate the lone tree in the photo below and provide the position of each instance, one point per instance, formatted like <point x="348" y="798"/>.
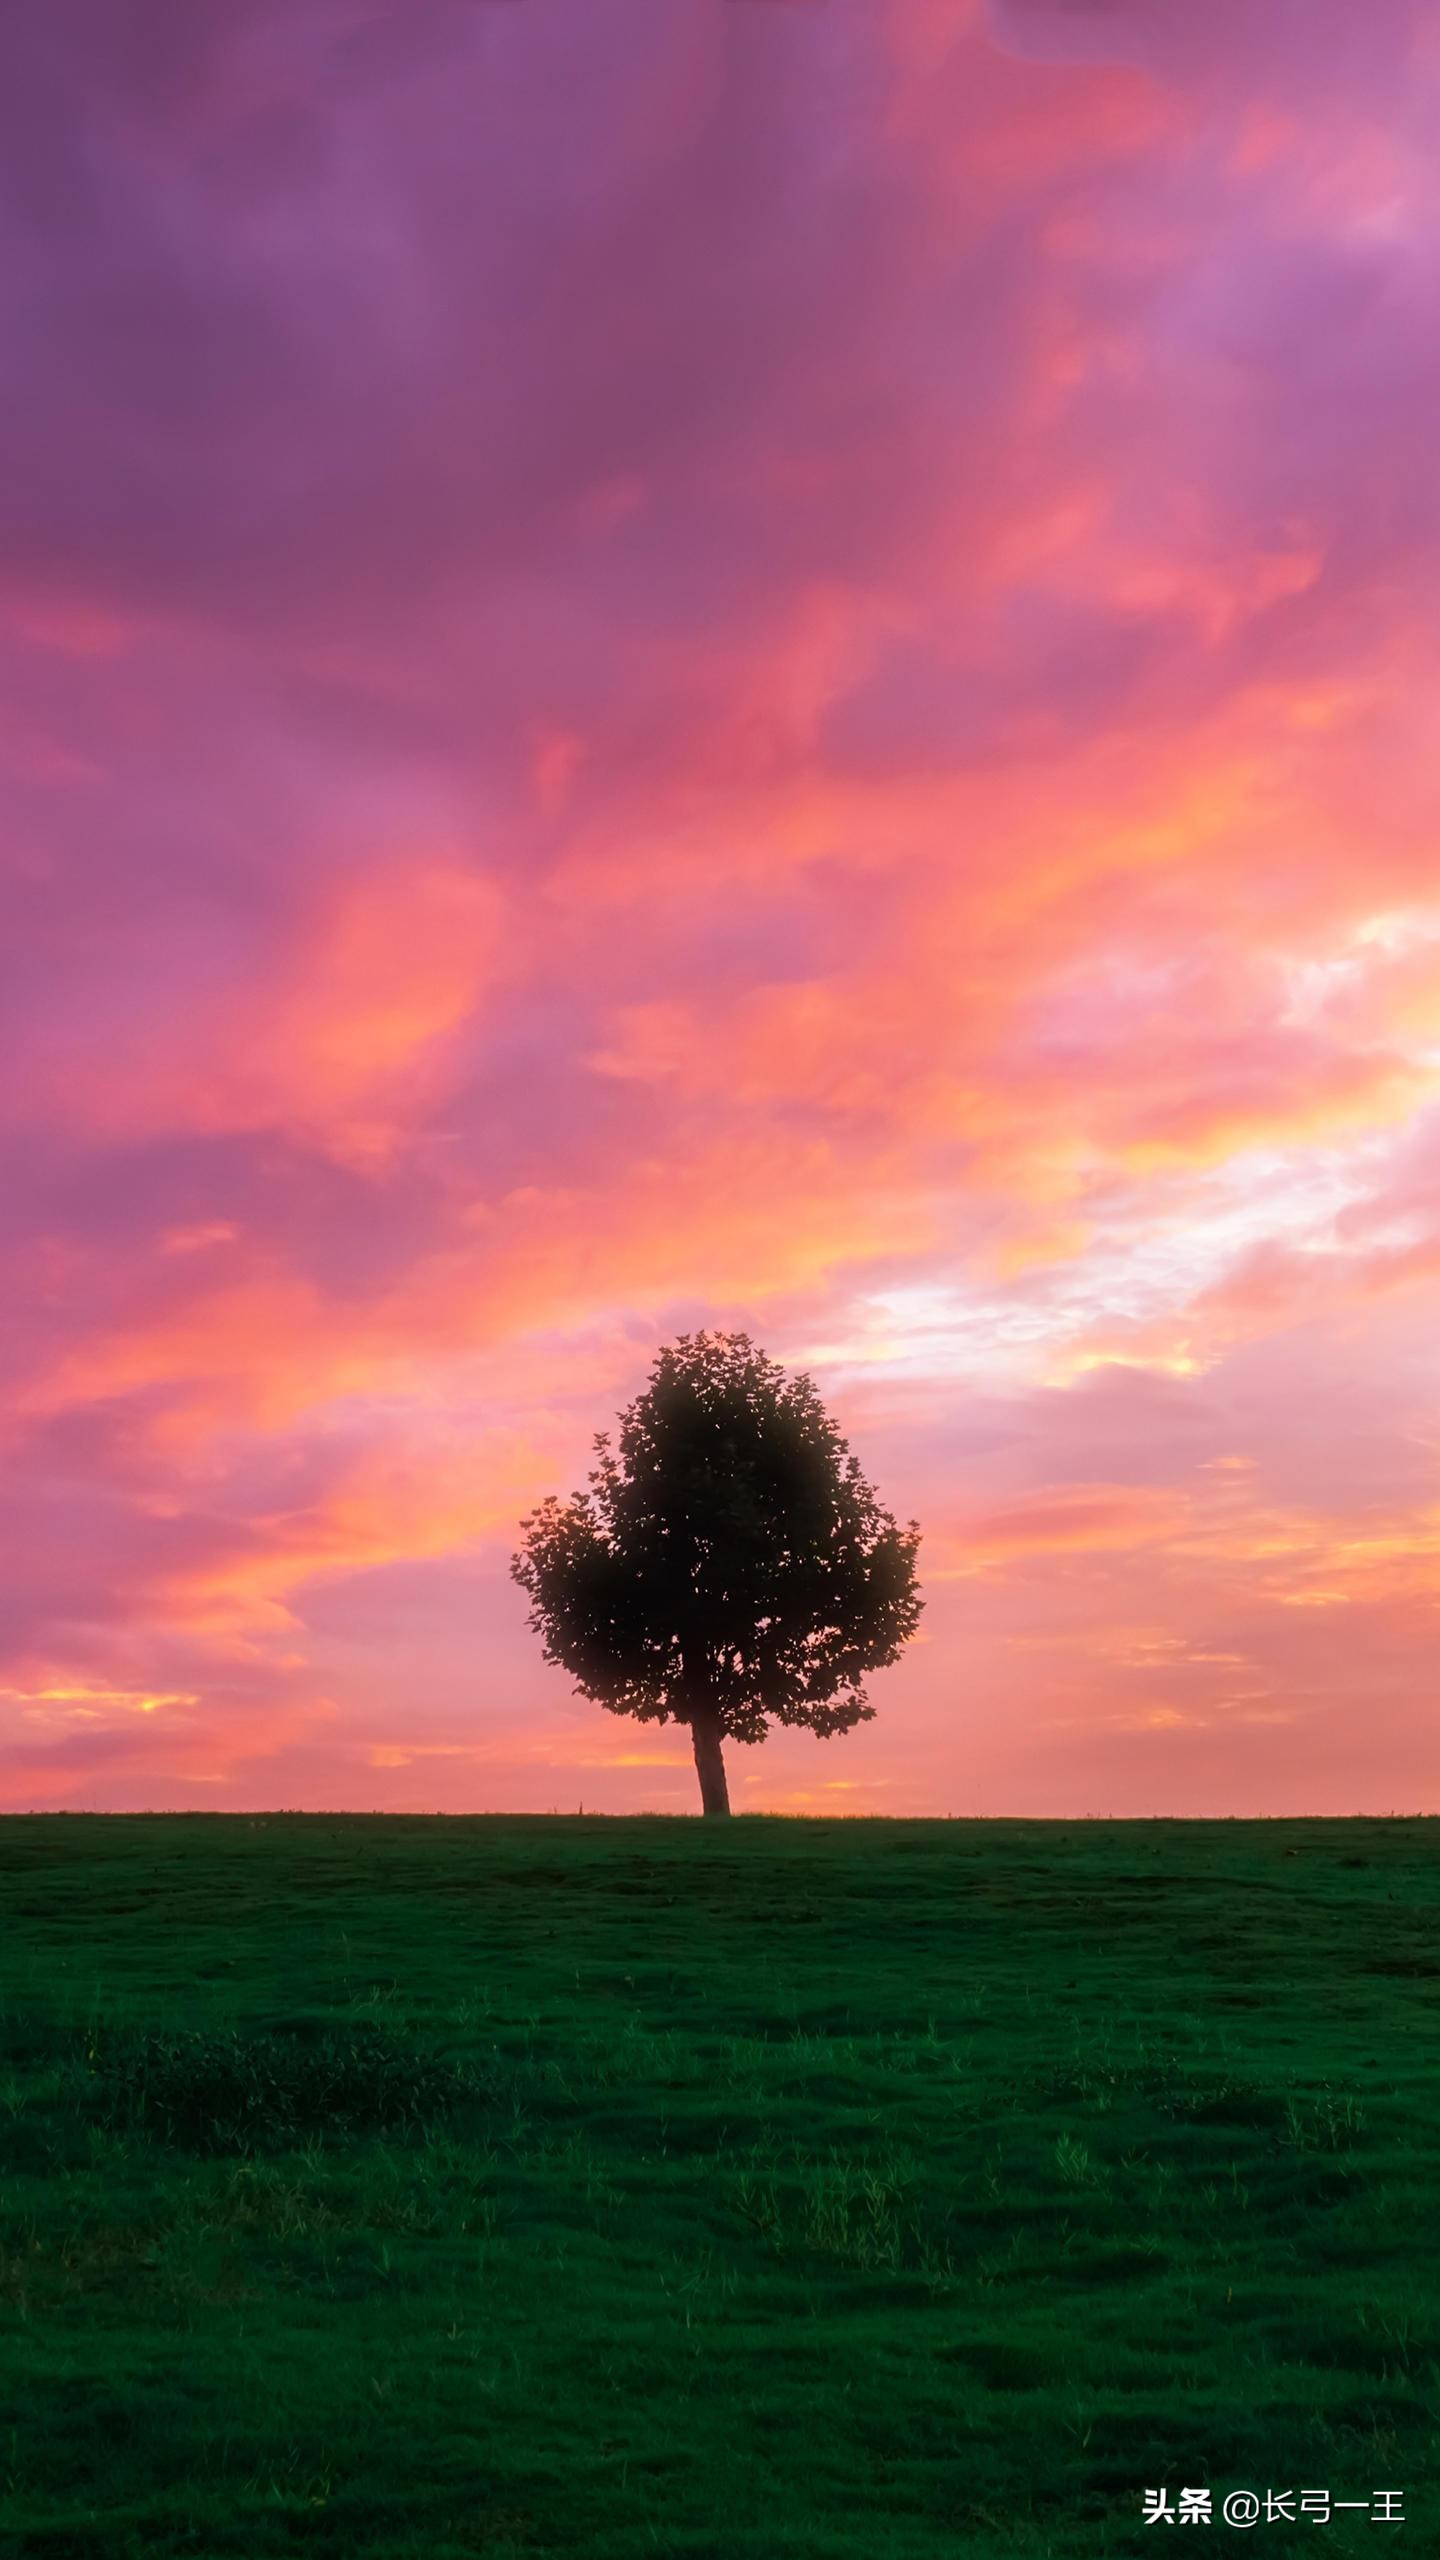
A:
<point x="729" y="1565"/>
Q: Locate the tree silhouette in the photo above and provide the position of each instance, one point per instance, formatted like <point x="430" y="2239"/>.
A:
<point x="730" y="1564"/>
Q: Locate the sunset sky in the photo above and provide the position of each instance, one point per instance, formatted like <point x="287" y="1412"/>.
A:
<point x="752" y="662"/>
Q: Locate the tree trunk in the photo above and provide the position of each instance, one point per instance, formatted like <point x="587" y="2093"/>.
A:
<point x="710" y="1762"/>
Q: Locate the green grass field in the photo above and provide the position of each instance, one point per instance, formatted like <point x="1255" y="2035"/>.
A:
<point x="859" y="2191"/>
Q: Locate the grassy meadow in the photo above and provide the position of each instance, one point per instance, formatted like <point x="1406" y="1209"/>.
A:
<point x="856" y="2190"/>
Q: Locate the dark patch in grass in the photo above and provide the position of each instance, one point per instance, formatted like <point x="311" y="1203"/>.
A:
<point x="1178" y="2092"/>
<point x="217" y="2091"/>
<point x="1236" y="2102"/>
<point x="65" y="2542"/>
<point x="1117" y="2266"/>
<point x="1004" y="2364"/>
<point x="1370" y="2417"/>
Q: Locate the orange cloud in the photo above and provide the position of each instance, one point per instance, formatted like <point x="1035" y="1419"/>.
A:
<point x="338" y="1036"/>
<point x="1065" y="1519"/>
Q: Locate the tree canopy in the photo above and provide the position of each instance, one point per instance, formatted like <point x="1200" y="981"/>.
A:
<point x="729" y="1563"/>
